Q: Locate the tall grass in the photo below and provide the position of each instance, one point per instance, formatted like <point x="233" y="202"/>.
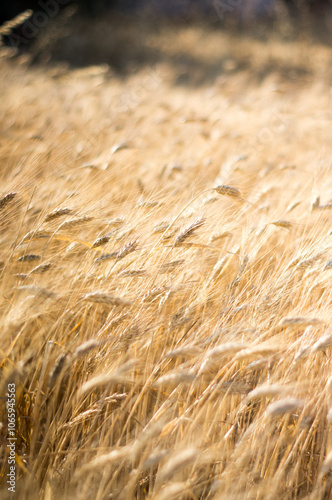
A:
<point x="165" y="295"/>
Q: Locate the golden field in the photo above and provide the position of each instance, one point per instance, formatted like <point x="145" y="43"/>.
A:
<point x="166" y="265"/>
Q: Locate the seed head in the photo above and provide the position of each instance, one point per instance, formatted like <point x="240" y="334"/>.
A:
<point x="127" y="249"/>
<point x="102" y="240"/>
<point x="106" y="256"/>
<point x="77" y="221"/>
<point x="58" y="212"/>
<point x="285" y="224"/>
<point x="228" y="191"/>
<point x="105" y="298"/>
<point x="186" y="233"/>
<point x="280" y="408"/>
<point x="29" y="257"/>
<point x="7" y="198"/>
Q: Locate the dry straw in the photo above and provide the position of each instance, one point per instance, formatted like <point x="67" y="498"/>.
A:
<point x="327" y="464"/>
<point x="229" y="393"/>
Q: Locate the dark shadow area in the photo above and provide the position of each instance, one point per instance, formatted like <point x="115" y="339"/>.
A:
<point x="135" y="34"/>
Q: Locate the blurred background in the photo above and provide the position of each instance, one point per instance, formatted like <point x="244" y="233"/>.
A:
<point x="120" y="33"/>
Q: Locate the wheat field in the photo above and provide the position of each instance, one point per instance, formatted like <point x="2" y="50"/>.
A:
<point x="166" y="260"/>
